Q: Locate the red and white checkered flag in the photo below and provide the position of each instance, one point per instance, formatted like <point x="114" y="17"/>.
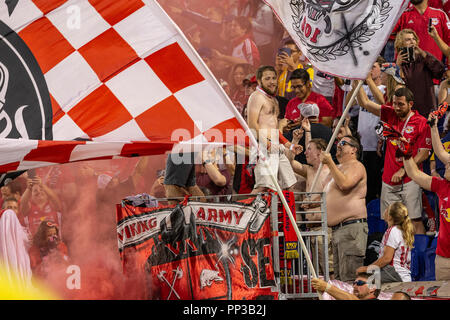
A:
<point x="106" y="72"/>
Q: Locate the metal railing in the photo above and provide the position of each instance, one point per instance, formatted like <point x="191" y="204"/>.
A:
<point x="293" y="276"/>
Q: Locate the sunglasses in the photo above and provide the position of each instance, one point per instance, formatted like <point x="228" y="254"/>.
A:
<point x="359" y="283"/>
<point x="343" y="143"/>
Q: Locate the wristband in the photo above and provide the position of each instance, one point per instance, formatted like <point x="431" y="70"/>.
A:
<point x="328" y="287"/>
<point x="206" y="162"/>
<point x="291" y="147"/>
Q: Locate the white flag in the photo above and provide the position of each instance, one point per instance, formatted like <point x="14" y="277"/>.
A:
<point x="340" y="37"/>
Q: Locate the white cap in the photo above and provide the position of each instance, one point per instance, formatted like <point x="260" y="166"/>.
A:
<point x="309" y="110"/>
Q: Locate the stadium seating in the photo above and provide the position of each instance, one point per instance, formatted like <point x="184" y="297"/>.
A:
<point x="421" y="256"/>
<point x="374" y="221"/>
<point x="430" y="255"/>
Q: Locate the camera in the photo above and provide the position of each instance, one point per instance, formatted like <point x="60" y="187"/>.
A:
<point x="31" y="173"/>
<point x="410" y="51"/>
<point x="430" y="23"/>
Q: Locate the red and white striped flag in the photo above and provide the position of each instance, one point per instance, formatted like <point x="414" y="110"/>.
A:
<point x="116" y="75"/>
<point x="342" y="38"/>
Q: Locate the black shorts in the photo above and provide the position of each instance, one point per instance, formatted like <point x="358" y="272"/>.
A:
<point x="183" y="174"/>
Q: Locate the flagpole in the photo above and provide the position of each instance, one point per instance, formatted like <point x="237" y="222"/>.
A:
<point x="291" y="217"/>
<point x="336" y="131"/>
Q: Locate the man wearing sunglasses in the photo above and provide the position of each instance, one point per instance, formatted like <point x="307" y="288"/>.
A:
<point x="362" y="289"/>
<point x="346" y="188"/>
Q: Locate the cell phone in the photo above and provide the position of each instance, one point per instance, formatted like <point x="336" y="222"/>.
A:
<point x="430" y="23"/>
<point x="409" y="51"/>
<point x="31" y="173"/>
<point x="286" y="50"/>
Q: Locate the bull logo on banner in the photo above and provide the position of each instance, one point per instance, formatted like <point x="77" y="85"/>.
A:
<point x="332" y="28"/>
<point x="25" y="105"/>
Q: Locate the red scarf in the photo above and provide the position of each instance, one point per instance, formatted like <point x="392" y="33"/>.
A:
<point x="290" y="237"/>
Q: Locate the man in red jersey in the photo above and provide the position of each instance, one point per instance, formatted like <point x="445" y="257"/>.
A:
<point x="396" y="185"/>
<point x="443" y="5"/>
<point x="39" y="203"/>
<point x="441" y="186"/>
<point x="301" y="84"/>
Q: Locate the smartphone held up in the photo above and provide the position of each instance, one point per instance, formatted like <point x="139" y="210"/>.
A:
<point x="282" y="51"/>
<point x="410" y="53"/>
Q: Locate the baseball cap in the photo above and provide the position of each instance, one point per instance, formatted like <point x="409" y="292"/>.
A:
<point x="309" y="110"/>
<point x="393" y="70"/>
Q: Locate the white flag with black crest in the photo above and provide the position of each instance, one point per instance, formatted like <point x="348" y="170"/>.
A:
<point x="340" y="37"/>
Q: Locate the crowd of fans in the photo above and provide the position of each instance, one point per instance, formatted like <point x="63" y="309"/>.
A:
<point x="407" y="83"/>
<point x="258" y="64"/>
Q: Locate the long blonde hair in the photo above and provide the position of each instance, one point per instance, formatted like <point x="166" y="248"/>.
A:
<point x="400" y="218"/>
<point x="398" y="43"/>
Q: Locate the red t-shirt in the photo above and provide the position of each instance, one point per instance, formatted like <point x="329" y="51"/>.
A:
<point x="444" y="5"/>
<point x="416" y="131"/>
<point x="412" y="19"/>
<point x="293" y="113"/>
<point x="36" y="216"/>
<point x="442" y="188"/>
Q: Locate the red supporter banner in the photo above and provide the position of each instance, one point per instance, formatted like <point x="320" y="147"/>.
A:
<point x="197" y="250"/>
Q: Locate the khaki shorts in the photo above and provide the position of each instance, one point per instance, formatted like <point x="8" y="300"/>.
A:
<point x="410" y="194"/>
<point x="442" y="268"/>
<point x="349" y="249"/>
<point x="280" y="167"/>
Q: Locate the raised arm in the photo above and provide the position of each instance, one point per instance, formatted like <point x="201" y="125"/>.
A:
<point x="24" y="206"/>
<point x="52" y="197"/>
<point x="419" y="177"/>
<point x="377" y="94"/>
<point x="345" y="181"/>
<point x="364" y="102"/>
<point x="297" y="134"/>
<point x="443" y="90"/>
<point x="440" y="43"/>
<point x="438" y="148"/>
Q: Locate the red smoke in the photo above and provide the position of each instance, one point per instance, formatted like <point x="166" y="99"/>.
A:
<point x="89" y="231"/>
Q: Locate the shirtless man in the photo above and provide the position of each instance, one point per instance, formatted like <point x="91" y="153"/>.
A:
<point x="346" y="188"/>
<point x="262" y="115"/>
<point x="314" y="147"/>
